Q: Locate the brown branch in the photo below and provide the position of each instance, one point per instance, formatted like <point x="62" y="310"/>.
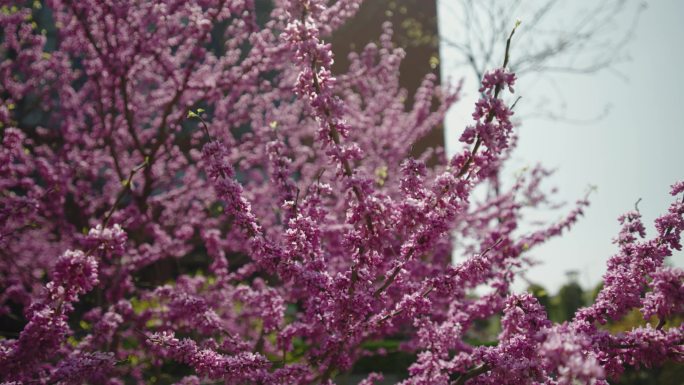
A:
<point x="128" y="114"/>
<point x="389" y="280"/>
<point x="126" y="186"/>
<point x="472" y="373"/>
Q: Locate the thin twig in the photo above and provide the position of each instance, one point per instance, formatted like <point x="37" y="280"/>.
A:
<point x="478" y="142"/>
<point x="127" y="186"/>
<point x="472" y="373"/>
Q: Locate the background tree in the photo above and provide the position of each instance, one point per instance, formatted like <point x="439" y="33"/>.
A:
<point x="580" y="38"/>
<point x="570" y="297"/>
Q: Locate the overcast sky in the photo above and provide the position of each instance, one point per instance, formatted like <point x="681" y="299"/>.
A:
<point x="636" y="151"/>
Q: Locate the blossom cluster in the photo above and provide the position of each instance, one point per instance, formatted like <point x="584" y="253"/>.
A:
<point x="189" y="194"/>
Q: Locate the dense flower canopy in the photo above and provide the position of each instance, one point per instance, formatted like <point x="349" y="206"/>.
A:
<point x="189" y="194"/>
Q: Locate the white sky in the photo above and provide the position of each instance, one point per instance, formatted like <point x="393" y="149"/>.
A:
<point x="636" y="151"/>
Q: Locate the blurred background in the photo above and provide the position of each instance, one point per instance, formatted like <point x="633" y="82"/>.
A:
<point x="600" y="85"/>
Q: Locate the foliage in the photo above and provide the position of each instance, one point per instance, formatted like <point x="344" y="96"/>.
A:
<point x="190" y="195"/>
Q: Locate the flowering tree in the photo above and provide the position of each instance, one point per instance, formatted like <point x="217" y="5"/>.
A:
<point x="190" y="195"/>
